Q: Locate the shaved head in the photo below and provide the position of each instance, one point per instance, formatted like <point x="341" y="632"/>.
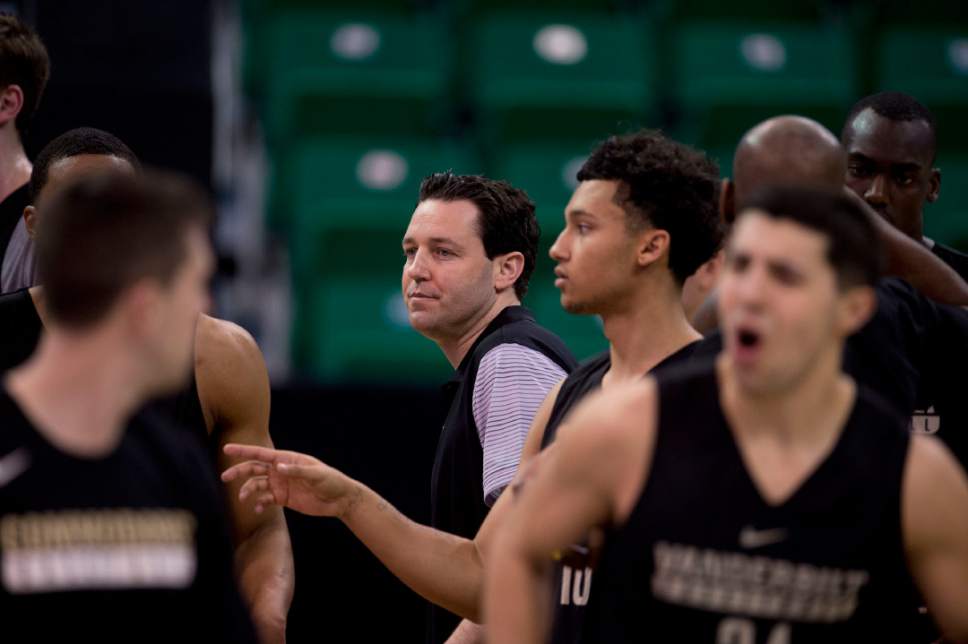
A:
<point x="786" y="150"/>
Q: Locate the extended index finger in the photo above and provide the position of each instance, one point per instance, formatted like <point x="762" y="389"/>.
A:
<point x="252" y="452"/>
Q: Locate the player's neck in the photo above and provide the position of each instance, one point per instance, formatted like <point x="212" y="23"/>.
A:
<point x="15" y="167"/>
<point x="455" y="348"/>
<point x="78" y="392"/>
<point x="800" y="413"/>
<point x="649" y="328"/>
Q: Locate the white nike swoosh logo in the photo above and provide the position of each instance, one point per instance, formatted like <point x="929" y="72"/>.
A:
<point x="751" y="538"/>
<point x="13" y="465"/>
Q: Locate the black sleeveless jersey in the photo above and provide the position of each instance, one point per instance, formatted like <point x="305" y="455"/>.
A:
<point x="704" y="557"/>
<point x="572" y="583"/>
<point x="20" y="329"/>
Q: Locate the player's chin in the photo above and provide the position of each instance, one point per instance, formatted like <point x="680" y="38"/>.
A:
<point x="575" y="305"/>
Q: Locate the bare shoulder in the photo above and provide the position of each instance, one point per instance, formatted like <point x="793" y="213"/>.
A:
<point x="615" y="427"/>
<point x="229" y="369"/>
<point x="617" y="413"/>
<point x="931" y="464"/>
<point x="225" y="344"/>
<point x="935" y="491"/>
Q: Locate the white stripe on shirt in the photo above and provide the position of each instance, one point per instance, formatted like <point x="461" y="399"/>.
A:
<point x="512" y="381"/>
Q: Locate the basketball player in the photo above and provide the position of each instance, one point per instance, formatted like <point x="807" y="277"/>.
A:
<point x="891" y="142"/>
<point x="763" y="498"/>
<point x="227" y="398"/>
<point x="111" y="529"/>
<point x="24" y="70"/>
<point x="642" y="218"/>
<point x="912" y="347"/>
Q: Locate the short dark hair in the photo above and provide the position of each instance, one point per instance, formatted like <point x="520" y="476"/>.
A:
<point x="103" y="233"/>
<point x="506" y="218"/>
<point x="23" y="62"/>
<point x="894" y="106"/>
<point x="73" y="143"/>
<point x="666" y="185"/>
<point x="854" y="248"/>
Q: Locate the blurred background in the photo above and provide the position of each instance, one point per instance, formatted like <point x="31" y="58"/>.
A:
<point x="312" y="123"/>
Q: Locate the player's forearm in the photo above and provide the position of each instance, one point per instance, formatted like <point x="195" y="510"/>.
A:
<point x="441" y="567"/>
<point x="516" y="609"/>
<point x="916" y="264"/>
<point x="266" y="576"/>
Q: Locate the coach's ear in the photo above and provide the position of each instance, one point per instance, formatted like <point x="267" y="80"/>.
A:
<point x="507" y="269"/>
<point x="11" y="102"/>
<point x="30" y="221"/>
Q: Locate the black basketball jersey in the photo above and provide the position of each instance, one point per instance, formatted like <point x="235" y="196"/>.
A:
<point x="572" y="583"/>
<point x="130" y="546"/>
<point x="20" y="329"/>
<point x="953" y="258"/>
<point x="705" y="558"/>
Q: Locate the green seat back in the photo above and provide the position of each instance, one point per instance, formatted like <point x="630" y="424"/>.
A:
<point x="541" y="75"/>
<point x="731" y="76"/>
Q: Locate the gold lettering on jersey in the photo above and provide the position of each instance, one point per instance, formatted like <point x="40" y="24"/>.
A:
<point x="737" y="583"/>
<point x="88" y="549"/>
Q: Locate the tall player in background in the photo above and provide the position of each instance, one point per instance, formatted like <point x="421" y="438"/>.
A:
<point x="24" y="70"/>
<point x="765" y="497"/>
<point x="226" y="400"/>
<point x="891" y="141"/>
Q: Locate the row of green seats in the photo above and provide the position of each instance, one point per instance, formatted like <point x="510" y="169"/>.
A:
<point x="351" y="201"/>
<point x="529" y="75"/>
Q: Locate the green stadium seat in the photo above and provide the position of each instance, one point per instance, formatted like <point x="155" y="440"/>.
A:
<point x="946" y="220"/>
<point x="329" y="71"/>
<point x="547" y="173"/>
<point x="358" y="185"/>
<point x="541" y="75"/>
<point x="728" y="77"/>
<point x="932" y="65"/>
<point x="582" y="333"/>
<point x="353" y="326"/>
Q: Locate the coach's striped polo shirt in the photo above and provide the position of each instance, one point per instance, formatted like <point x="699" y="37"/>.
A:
<point x="493" y="396"/>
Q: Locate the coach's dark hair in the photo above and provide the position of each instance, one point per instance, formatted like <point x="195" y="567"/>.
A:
<point x="894" y="106"/>
<point x="103" y="233"/>
<point x="854" y="248"/>
<point x="73" y="143"/>
<point x="24" y="63"/>
<point x="665" y="185"/>
<point x="506" y="221"/>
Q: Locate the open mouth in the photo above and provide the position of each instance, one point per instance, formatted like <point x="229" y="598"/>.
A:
<point x="748" y="339"/>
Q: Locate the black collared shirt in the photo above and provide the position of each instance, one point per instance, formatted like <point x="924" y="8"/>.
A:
<point x="11" y="210"/>
<point x="457" y="489"/>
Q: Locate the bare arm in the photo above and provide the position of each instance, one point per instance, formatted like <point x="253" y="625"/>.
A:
<point x="915" y="263"/>
<point x="234" y="389"/>
<point x="443" y="568"/>
<point x="569" y="494"/>
<point x="935" y="524"/>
